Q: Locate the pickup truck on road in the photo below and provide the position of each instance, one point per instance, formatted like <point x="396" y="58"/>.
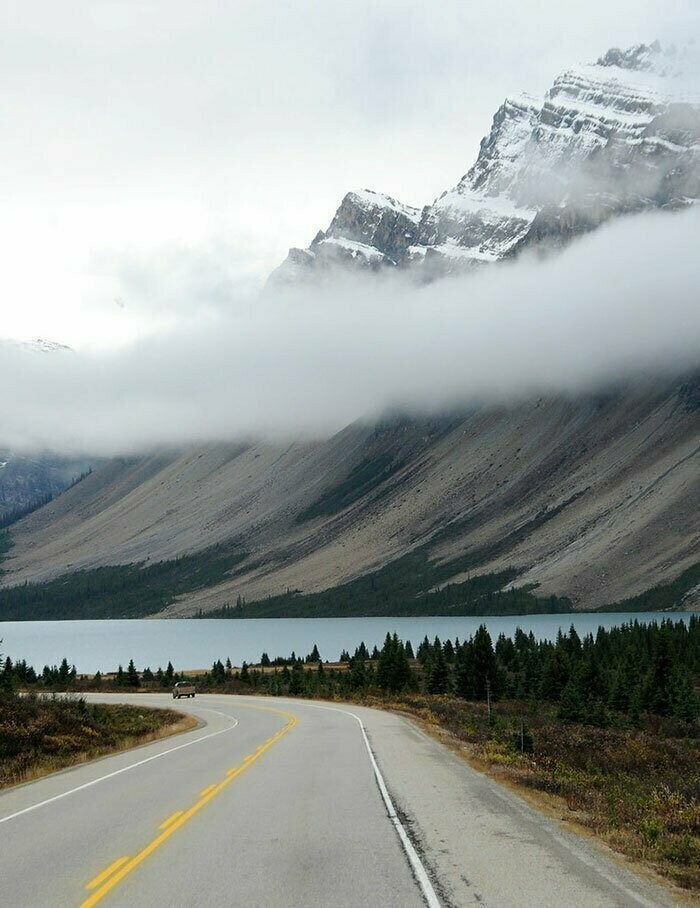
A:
<point x="183" y="689"/>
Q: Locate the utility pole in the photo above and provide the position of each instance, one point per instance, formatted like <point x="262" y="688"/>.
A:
<point x="488" y="699"/>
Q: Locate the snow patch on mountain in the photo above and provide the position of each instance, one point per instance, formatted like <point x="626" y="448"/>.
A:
<point x="615" y="136"/>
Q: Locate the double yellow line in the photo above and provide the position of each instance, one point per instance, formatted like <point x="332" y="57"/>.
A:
<point x="116" y="872"/>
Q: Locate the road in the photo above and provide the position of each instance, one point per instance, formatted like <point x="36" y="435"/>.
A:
<point x="281" y="803"/>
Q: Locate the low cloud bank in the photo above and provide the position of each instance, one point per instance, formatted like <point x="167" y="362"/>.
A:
<point x="617" y="305"/>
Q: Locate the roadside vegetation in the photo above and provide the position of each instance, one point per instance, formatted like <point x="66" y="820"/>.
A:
<point x="604" y="728"/>
<point x="40" y="733"/>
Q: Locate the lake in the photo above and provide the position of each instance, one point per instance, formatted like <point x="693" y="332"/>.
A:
<point x="196" y="643"/>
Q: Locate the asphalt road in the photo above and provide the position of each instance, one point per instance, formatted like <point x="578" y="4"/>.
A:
<point x="281" y="803"/>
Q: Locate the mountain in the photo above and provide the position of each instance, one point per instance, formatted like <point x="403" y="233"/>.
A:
<point x="594" y="499"/>
<point x="591" y="499"/>
<point x="617" y="136"/>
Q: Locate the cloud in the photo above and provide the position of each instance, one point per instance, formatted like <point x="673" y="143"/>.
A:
<point x="616" y="305"/>
<point x="165" y="121"/>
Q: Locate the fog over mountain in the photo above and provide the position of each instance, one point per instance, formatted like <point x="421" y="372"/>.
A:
<point x="618" y="303"/>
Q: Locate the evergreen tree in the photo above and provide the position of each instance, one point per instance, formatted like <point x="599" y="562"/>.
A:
<point x="358" y="674"/>
<point x="296" y="683"/>
<point x="571" y="704"/>
<point x="658" y="685"/>
<point x="555" y="674"/>
<point x="362" y="652"/>
<point x="314" y="655"/>
<point x="64" y="671"/>
<point x="393" y="670"/>
<point x="424" y="650"/>
<point x="438" y="673"/>
<point x="684" y="703"/>
<point x="132" y="677"/>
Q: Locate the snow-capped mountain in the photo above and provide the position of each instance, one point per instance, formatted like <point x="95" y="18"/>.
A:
<point x="615" y="136"/>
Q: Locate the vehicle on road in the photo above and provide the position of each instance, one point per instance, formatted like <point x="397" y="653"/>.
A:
<point x="183" y="689"/>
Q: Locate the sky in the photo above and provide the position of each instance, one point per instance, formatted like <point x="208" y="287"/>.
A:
<point x="618" y="305"/>
<point x="171" y="152"/>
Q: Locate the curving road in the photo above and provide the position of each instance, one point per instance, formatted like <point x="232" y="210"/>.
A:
<point x="281" y="803"/>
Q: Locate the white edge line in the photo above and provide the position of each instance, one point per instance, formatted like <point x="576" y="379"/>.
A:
<point x="417" y="865"/>
<point x="118" y="772"/>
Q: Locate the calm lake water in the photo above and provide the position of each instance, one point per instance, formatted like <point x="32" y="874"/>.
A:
<point x="193" y="644"/>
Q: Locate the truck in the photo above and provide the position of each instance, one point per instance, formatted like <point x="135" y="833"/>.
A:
<point x="183" y="689"/>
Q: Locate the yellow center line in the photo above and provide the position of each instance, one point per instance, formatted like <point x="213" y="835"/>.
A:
<point x="205" y="791"/>
<point x="101" y="877"/>
<point x="177" y="822"/>
<point x="171" y="819"/>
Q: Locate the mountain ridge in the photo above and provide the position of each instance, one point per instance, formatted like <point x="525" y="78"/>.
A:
<point x="591" y="498"/>
<point x="614" y="137"/>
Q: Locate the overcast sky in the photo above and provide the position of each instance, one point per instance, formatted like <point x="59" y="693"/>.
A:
<point x="180" y="148"/>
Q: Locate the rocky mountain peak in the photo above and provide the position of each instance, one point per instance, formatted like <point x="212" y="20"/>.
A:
<point x="640" y="57"/>
<point x="611" y="137"/>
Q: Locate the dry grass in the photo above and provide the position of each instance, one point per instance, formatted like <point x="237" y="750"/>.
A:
<point x="635" y="789"/>
<point x="40" y="735"/>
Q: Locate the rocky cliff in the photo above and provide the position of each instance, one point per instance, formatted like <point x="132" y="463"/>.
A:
<point x="613" y="137"/>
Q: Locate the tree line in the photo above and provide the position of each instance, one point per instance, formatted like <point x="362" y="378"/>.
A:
<point x="626" y="671"/>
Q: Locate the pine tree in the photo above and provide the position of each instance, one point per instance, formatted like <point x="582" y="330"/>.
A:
<point x="132" y="677"/>
<point x="296" y="684"/>
<point x="684" y="703"/>
<point x="358" y="674"/>
<point x="314" y="655"/>
<point x="483" y="665"/>
<point x="393" y="672"/>
<point x="658" y="685"/>
<point x="438" y="673"/>
<point x="555" y="674"/>
<point x="362" y="652"/>
<point x="571" y="704"/>
<point x="64" y="671"/>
